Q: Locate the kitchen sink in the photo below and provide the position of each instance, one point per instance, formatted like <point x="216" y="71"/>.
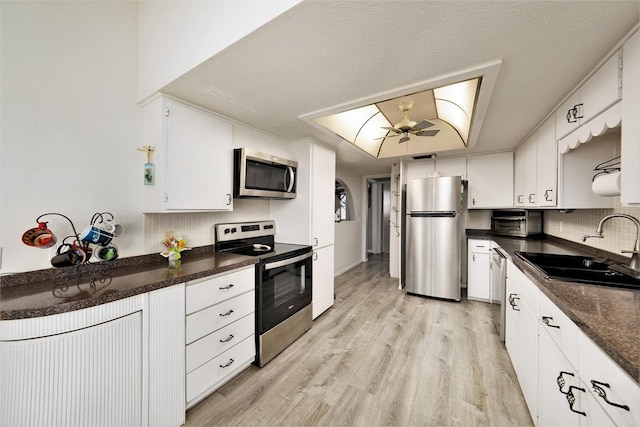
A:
<point x="581" y="269"/>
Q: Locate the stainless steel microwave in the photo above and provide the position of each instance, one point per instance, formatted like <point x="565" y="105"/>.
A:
<point x="260" y="175"/>
<point x="516" y="222"/>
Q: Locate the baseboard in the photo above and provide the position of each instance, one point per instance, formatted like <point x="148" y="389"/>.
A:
<point x="347" y="268"/>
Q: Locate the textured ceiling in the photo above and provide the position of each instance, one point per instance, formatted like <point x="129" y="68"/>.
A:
<point x="322" y="54"/>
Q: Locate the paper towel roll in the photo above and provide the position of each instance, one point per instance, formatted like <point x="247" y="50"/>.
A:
<point x="607" y="184"/>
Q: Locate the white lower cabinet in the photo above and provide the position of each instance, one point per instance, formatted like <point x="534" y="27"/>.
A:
<point x="478" y="286"/>
<point x="566" y="379"/>
<point x="616" y="393"/>
<point x="84" y="377"/>
<point x="220" y="331"/>
<point x="117" y="364"/>
<point x="521" y="333"/>
<point x="323" y="287"/>
<point x="558" y="382"/>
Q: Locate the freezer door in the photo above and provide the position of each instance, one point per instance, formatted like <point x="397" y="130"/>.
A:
<point x="433" y="256"/>
<point x="434" y="194"/>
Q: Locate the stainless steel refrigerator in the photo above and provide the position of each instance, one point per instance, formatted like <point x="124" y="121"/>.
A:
<point x="433" y="237"/>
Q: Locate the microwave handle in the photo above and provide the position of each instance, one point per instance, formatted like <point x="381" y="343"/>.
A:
<point x="292" y="180"/>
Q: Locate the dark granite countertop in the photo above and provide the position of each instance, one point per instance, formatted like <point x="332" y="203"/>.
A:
<point x="609" y="316"/>
<point x="34" y="294"/>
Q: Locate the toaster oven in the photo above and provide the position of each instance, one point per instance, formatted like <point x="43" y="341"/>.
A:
<point x="516" y="222"/>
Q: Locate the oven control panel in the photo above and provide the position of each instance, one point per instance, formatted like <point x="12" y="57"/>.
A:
<point x="244" y="230"/>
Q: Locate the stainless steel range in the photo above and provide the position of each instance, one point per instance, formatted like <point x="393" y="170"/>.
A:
<point x="283" y="283"/>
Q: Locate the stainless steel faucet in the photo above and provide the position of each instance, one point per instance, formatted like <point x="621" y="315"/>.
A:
<point x="635" y="258"/>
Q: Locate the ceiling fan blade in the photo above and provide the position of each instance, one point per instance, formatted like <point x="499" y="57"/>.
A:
<point x="388" y="136"/>
<point x="424" y="124"/>
<point x="432" y="132"/>
<point x="391" y="129"/>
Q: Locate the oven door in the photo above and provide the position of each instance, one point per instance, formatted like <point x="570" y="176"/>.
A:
<point x="284" y="288"/>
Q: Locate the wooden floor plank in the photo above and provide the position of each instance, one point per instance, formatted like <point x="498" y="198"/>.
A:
<point x="379" y="357"/>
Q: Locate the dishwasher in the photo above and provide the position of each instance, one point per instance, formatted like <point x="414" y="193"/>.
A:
<point x="498" y="279"/>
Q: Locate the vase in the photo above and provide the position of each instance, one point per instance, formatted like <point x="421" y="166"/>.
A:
<point x="174" y="259"/>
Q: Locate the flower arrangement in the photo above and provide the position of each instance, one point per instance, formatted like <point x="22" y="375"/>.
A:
<point x="174" y="246"/>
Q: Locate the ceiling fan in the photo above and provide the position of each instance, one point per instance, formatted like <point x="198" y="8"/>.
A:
<point x="408" y="127"/>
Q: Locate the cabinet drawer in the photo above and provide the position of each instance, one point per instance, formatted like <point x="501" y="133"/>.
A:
<point x="219" y="288"/>
<point x="213" y="318"/>
<point x="479" y="246"/>
<point x="595" y="365"/>
<point x="201" y="351"/>
<point x="220" y="369"/>
<point x="560" y="328"/>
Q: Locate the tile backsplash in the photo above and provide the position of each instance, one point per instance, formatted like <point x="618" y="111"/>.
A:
<point x="619" y="234"/>
<point x="197" y="227"/>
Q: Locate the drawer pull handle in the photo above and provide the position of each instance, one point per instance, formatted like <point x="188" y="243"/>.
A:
<point x="603" y="394"/>
<point x="547" y="321"/>
<point x="229" y="286"/>
<point x="228" y="364"/>
<point x="561" y="382"/>
<point x="227" y="313"/>
<point x="512" y="301"/>
<point x="228" y="339"/>
<point x="547" y="195"/>
<point x="571" y="398"/>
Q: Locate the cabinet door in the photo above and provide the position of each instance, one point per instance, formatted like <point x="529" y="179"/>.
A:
<point x="518" y="179"/>
<point x="166" y="356"/>
<point x="478" y="277"/>
<point x="630" y="149"/>
<point x="199" y="159"/>
<point x="491" y="181"/>
<point x="528" y="358"/>
<point x="323" y="195"/>
<point x="553" y="407"/>
<point x="547" y="171"/>
<point x="512" y="318"/>
<point x="322" y="287"/>
<point x="80" y="378"/>
<point x="530" y="171"/>
<point x="565" y="122"/>
<point x="601" y="90"/>
<point x="598" y="370"/>
<point x="456" y="166"/>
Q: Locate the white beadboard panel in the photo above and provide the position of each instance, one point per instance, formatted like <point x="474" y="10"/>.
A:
<point x="65" y="322"/>
<point x="197" y="227"/>
<point x="166" y="316"/>
<point x="88" y="377"/>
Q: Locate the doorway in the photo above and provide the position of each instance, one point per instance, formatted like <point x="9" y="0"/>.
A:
<point x="378" y="215"/>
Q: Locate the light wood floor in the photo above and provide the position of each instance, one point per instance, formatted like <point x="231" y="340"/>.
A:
<point x="379" y="357"/>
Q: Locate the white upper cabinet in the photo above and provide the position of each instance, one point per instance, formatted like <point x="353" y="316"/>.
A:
<point x="547" y="165"/>
<point x="194" y="155"/>
<point x="535" y="169"/>
<point x="598" y="93"/>
<point x="491" y="181"/>
<point x="630" y="144"/>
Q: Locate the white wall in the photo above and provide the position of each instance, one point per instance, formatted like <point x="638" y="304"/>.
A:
<point x="348" y="243"/>
<point x="71" y="125"/>
<point x="166" y="28"/>
<point x="70" y="122"/>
